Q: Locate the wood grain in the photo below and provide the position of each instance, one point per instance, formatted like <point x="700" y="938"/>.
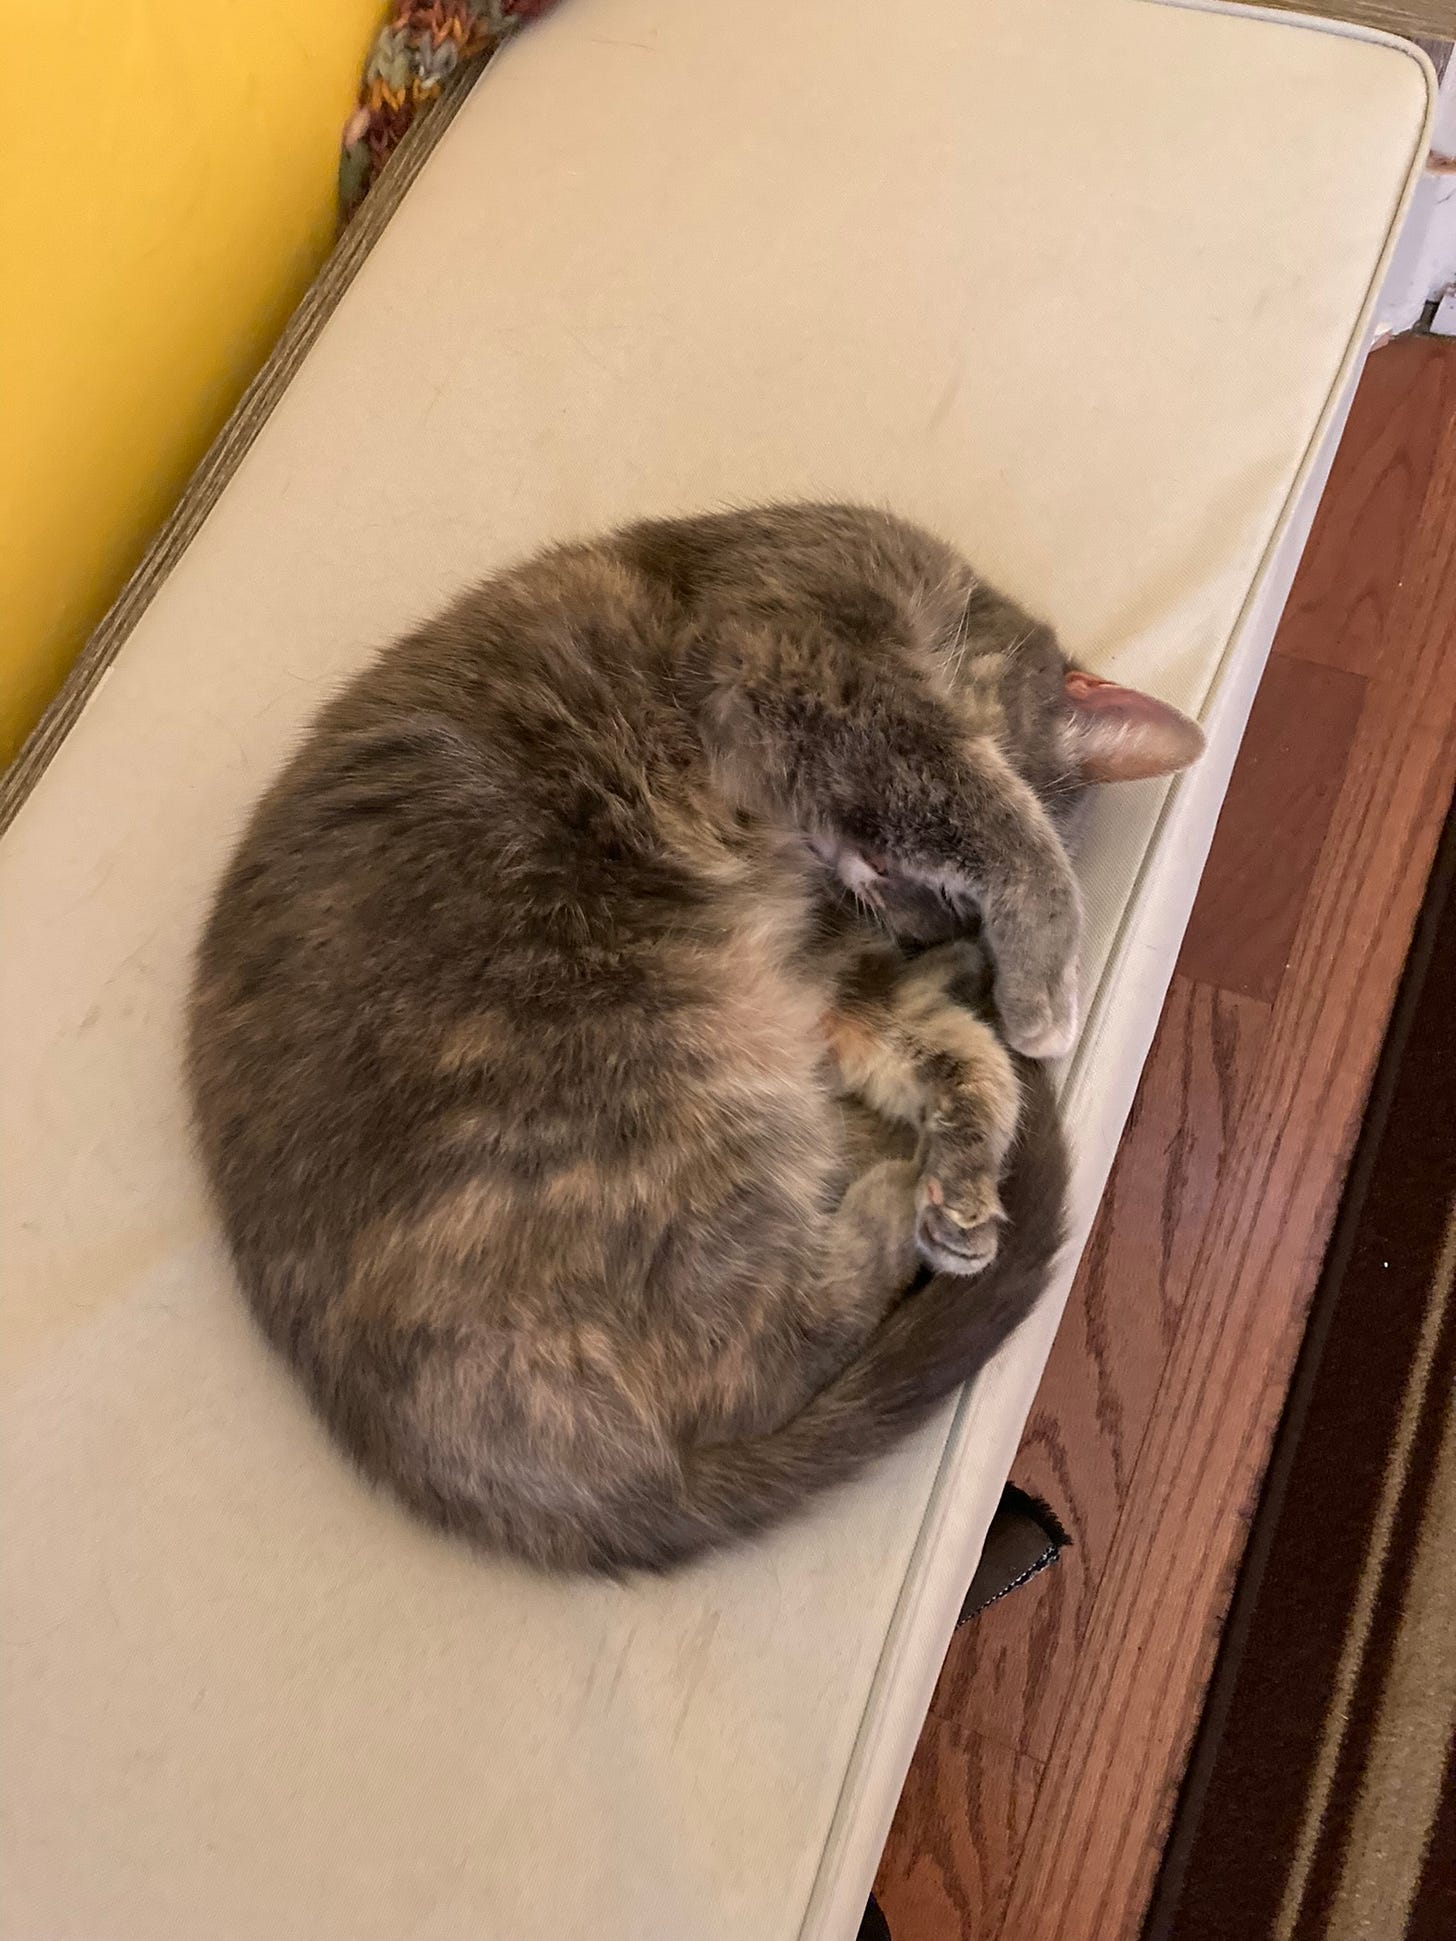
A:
<point x="1154" y="1421"/>
<point x="1338" y="607"/>
<point x="962" y="1820"/>
<point x="1415" y="19"/>
<point x="1292" y="762"/>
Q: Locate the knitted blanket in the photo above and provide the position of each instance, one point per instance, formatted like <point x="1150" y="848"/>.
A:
<point x="421" y="44"/>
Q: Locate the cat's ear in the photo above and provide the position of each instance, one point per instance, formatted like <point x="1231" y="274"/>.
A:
<point x="1122" y="735"/>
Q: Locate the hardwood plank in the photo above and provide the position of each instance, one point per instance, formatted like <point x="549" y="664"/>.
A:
<point x="1101" y="1811"/>
<point x="962" y="1818"/>
<point x="1291" y="766"/>
<point x="1337" y="607"/>
<point x="1154" y="1419"/>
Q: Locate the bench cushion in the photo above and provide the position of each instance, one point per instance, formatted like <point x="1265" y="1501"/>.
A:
<point x="1083" y="283"/>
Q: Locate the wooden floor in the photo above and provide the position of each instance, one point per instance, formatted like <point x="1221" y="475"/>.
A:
<point x="1048" y="1768"/>
<point x="1418" y="19"/>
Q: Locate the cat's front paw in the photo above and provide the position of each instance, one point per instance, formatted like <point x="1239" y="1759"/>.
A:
<point x="1040" y="1021"/>
<point x="958" y="1222"/>
<point x="1036" y="963"/>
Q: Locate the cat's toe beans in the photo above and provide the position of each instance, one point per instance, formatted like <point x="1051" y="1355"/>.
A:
<point x="950" y="1248"/>
<point x="961" y="1233"/>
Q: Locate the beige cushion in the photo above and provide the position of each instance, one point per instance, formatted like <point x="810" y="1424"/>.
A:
<point x="1082" y="282"/>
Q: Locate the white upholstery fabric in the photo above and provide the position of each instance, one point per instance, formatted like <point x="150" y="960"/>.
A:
<point x="1081" y="282"/>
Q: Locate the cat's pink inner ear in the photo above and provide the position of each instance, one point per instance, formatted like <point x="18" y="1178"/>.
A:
<point x="1123" y="735"/>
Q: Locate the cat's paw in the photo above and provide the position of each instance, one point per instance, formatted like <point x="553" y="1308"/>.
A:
<point x="1036" y="963"/>
<point x="958" y="1222"/>
<point x="1039" y="1021"/>
<point x="957" y="973"/>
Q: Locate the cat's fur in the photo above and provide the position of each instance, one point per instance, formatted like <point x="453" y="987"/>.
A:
<point x="525" y="1017"/>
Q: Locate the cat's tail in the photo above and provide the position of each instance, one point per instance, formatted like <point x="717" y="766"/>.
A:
<point x="927" y="1347"/>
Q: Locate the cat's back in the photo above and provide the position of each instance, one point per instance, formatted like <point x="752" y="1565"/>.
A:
<point x="493" y="923"/>
<point x="553" y="678"/>
<point x="523" y="749"/>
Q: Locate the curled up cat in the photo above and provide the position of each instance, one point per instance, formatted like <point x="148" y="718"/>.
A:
<point x="636" y="980"/>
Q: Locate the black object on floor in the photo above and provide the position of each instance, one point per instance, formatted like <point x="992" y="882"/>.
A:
<point x="874" y="1926"/>
<point x="1024" y="1539"/>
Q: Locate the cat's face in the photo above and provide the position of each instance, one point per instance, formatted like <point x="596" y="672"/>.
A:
<point x="1063" y="730"/>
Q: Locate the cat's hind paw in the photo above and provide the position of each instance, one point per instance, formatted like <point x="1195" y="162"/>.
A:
<point x="958" y="1231"/>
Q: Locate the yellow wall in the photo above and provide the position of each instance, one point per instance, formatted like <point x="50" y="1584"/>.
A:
<point x="166" y="192"/>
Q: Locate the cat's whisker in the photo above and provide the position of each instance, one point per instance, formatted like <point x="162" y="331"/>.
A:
<point x="870" y="908"/>
<point x="960" y="640"/>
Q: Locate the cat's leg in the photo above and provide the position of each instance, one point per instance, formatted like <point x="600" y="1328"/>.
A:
<point x="972" y="1117"/>
<point x="867" y="1263"/>
<point x="906" y="1040"/>
<point x="870" y="1258"/>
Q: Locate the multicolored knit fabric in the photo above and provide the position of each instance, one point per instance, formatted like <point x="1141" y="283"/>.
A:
<point x="419" y="47"/>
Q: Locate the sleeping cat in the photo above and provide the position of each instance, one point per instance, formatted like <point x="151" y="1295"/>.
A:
<point x="631" y="983"/>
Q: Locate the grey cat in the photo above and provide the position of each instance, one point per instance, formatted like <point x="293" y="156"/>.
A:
<point x="632" y="983"/>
